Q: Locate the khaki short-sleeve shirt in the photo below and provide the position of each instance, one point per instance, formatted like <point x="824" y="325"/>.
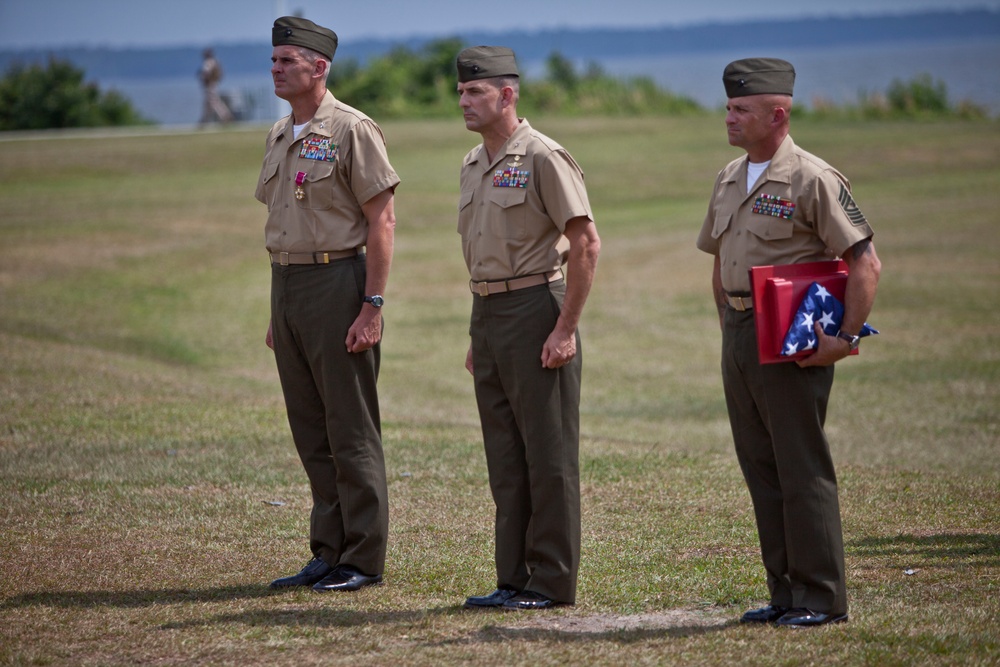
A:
<point x="513" y="210"/>
<point x="314" y="186"/>
<point x="799" y="210"/>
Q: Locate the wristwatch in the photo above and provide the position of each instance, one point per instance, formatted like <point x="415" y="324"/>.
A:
<point x="375" y="300"/>
<point x="852" y="341"/>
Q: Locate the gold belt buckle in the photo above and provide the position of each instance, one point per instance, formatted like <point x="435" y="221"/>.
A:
<point x="283" y="258"/>
<point x="483" y="288"/>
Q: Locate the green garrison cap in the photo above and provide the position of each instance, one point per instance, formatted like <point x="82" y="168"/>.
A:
<point x="295" y="31"/>
<point x="758" y="76"/>
<point x="485" y="62"/>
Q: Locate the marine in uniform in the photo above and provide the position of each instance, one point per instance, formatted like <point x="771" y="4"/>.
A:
<point x="210" y="74"/>
<point x="779" y="204"/>
<point x="523" y="214"/>
<point x="328" y="186"/>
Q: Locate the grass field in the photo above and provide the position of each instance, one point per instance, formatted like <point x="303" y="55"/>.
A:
<point x="151" y="490"/>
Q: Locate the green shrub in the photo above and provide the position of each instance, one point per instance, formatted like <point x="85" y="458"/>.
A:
<point x="404" y="83"/>
<point x="33" y="97"/>
<point x="920" y="97"/>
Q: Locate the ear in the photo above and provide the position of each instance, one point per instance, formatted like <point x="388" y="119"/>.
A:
<point x="320" y="69"/>
<point x="779" y="115"/>
<point x="506" y="96"/>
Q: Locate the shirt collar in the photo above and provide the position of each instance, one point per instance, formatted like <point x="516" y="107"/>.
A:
<point x="321" y="122"/>
<point x="516" y="144"/>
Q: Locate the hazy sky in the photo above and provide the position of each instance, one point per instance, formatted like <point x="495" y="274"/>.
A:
<point x="117" y="23"/>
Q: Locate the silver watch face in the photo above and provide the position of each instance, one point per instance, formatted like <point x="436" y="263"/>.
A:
<point x="376" y="300"/>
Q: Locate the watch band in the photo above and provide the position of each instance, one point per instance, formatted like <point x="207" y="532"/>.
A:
<point x="852" y="340"/>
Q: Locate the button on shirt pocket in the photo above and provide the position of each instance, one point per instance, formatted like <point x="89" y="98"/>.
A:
<point x="508" y="219"/>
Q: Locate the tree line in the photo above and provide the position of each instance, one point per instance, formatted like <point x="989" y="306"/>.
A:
<point x="421" y="83"/>
<point x="408" y="83"/>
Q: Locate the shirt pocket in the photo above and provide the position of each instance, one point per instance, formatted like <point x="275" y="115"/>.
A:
<point x="318" y="187"/>
<point x="720" y="225"/>
<point x="268" y="183"/>
<point x="508" y="214"/>
<point x="465" y="215"/>
<point x="769" y="228"/>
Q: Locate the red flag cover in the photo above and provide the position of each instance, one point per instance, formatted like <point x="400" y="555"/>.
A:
<point x="778" y="290"/>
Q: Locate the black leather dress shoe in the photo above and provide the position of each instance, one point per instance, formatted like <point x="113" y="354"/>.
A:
<point x="528" y="600"/>
<point x="346" y="578"/>
<point x="314" y="571"/>
<point x="768" y="614"/>
<point x="493" y="600"/>
<point x="801" y="617"/>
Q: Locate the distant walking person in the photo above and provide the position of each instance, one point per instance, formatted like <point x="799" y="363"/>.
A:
<point x="213" y="109"/>
<point x="523" y="214"/>
<point x="779" y="204"/>
<point x="328" y="187"/>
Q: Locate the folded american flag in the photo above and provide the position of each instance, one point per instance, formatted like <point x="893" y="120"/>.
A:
<point x="818" y="305"/>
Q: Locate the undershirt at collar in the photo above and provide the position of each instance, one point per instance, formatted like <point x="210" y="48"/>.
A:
<point x="754" y="170"/>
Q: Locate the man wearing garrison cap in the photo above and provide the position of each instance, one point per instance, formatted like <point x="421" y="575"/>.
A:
<point x="779" y="204"/>
<point x="328" y="187"/>
<point x="523" y="214"/>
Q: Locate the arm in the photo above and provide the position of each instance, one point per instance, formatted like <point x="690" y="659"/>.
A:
<point x="718" y="293"/>
<point x="367" y="328"/>
<point x="585" y="247"/>
<point x="864" y="269"/>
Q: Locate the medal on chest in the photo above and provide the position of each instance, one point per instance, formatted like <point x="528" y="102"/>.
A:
<point x="300" y="178"/>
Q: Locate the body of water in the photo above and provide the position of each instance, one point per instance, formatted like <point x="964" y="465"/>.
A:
<point x="968" y="69"/>
<point x="838" y="75"/>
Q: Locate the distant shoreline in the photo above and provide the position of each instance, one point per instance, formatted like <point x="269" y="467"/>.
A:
<point x="836" y="60"/>
<point x="836" y="75"/>
<point x="592" y="43"/>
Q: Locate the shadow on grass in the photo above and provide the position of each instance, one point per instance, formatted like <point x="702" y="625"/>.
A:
<point x="530" y="626"/>
<point x="941" y="549"/>
<point x="134" y="599"/>
<point x="494" y="634"/>
<point x="539" y="627"/>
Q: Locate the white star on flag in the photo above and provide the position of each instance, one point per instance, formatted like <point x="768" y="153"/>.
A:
<point x="829" y="326"/>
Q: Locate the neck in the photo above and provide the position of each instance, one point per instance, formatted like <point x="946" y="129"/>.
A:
<point x="495" y="137"/>
<point x="766" y="149"/>
<point x="305" y="106"/>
